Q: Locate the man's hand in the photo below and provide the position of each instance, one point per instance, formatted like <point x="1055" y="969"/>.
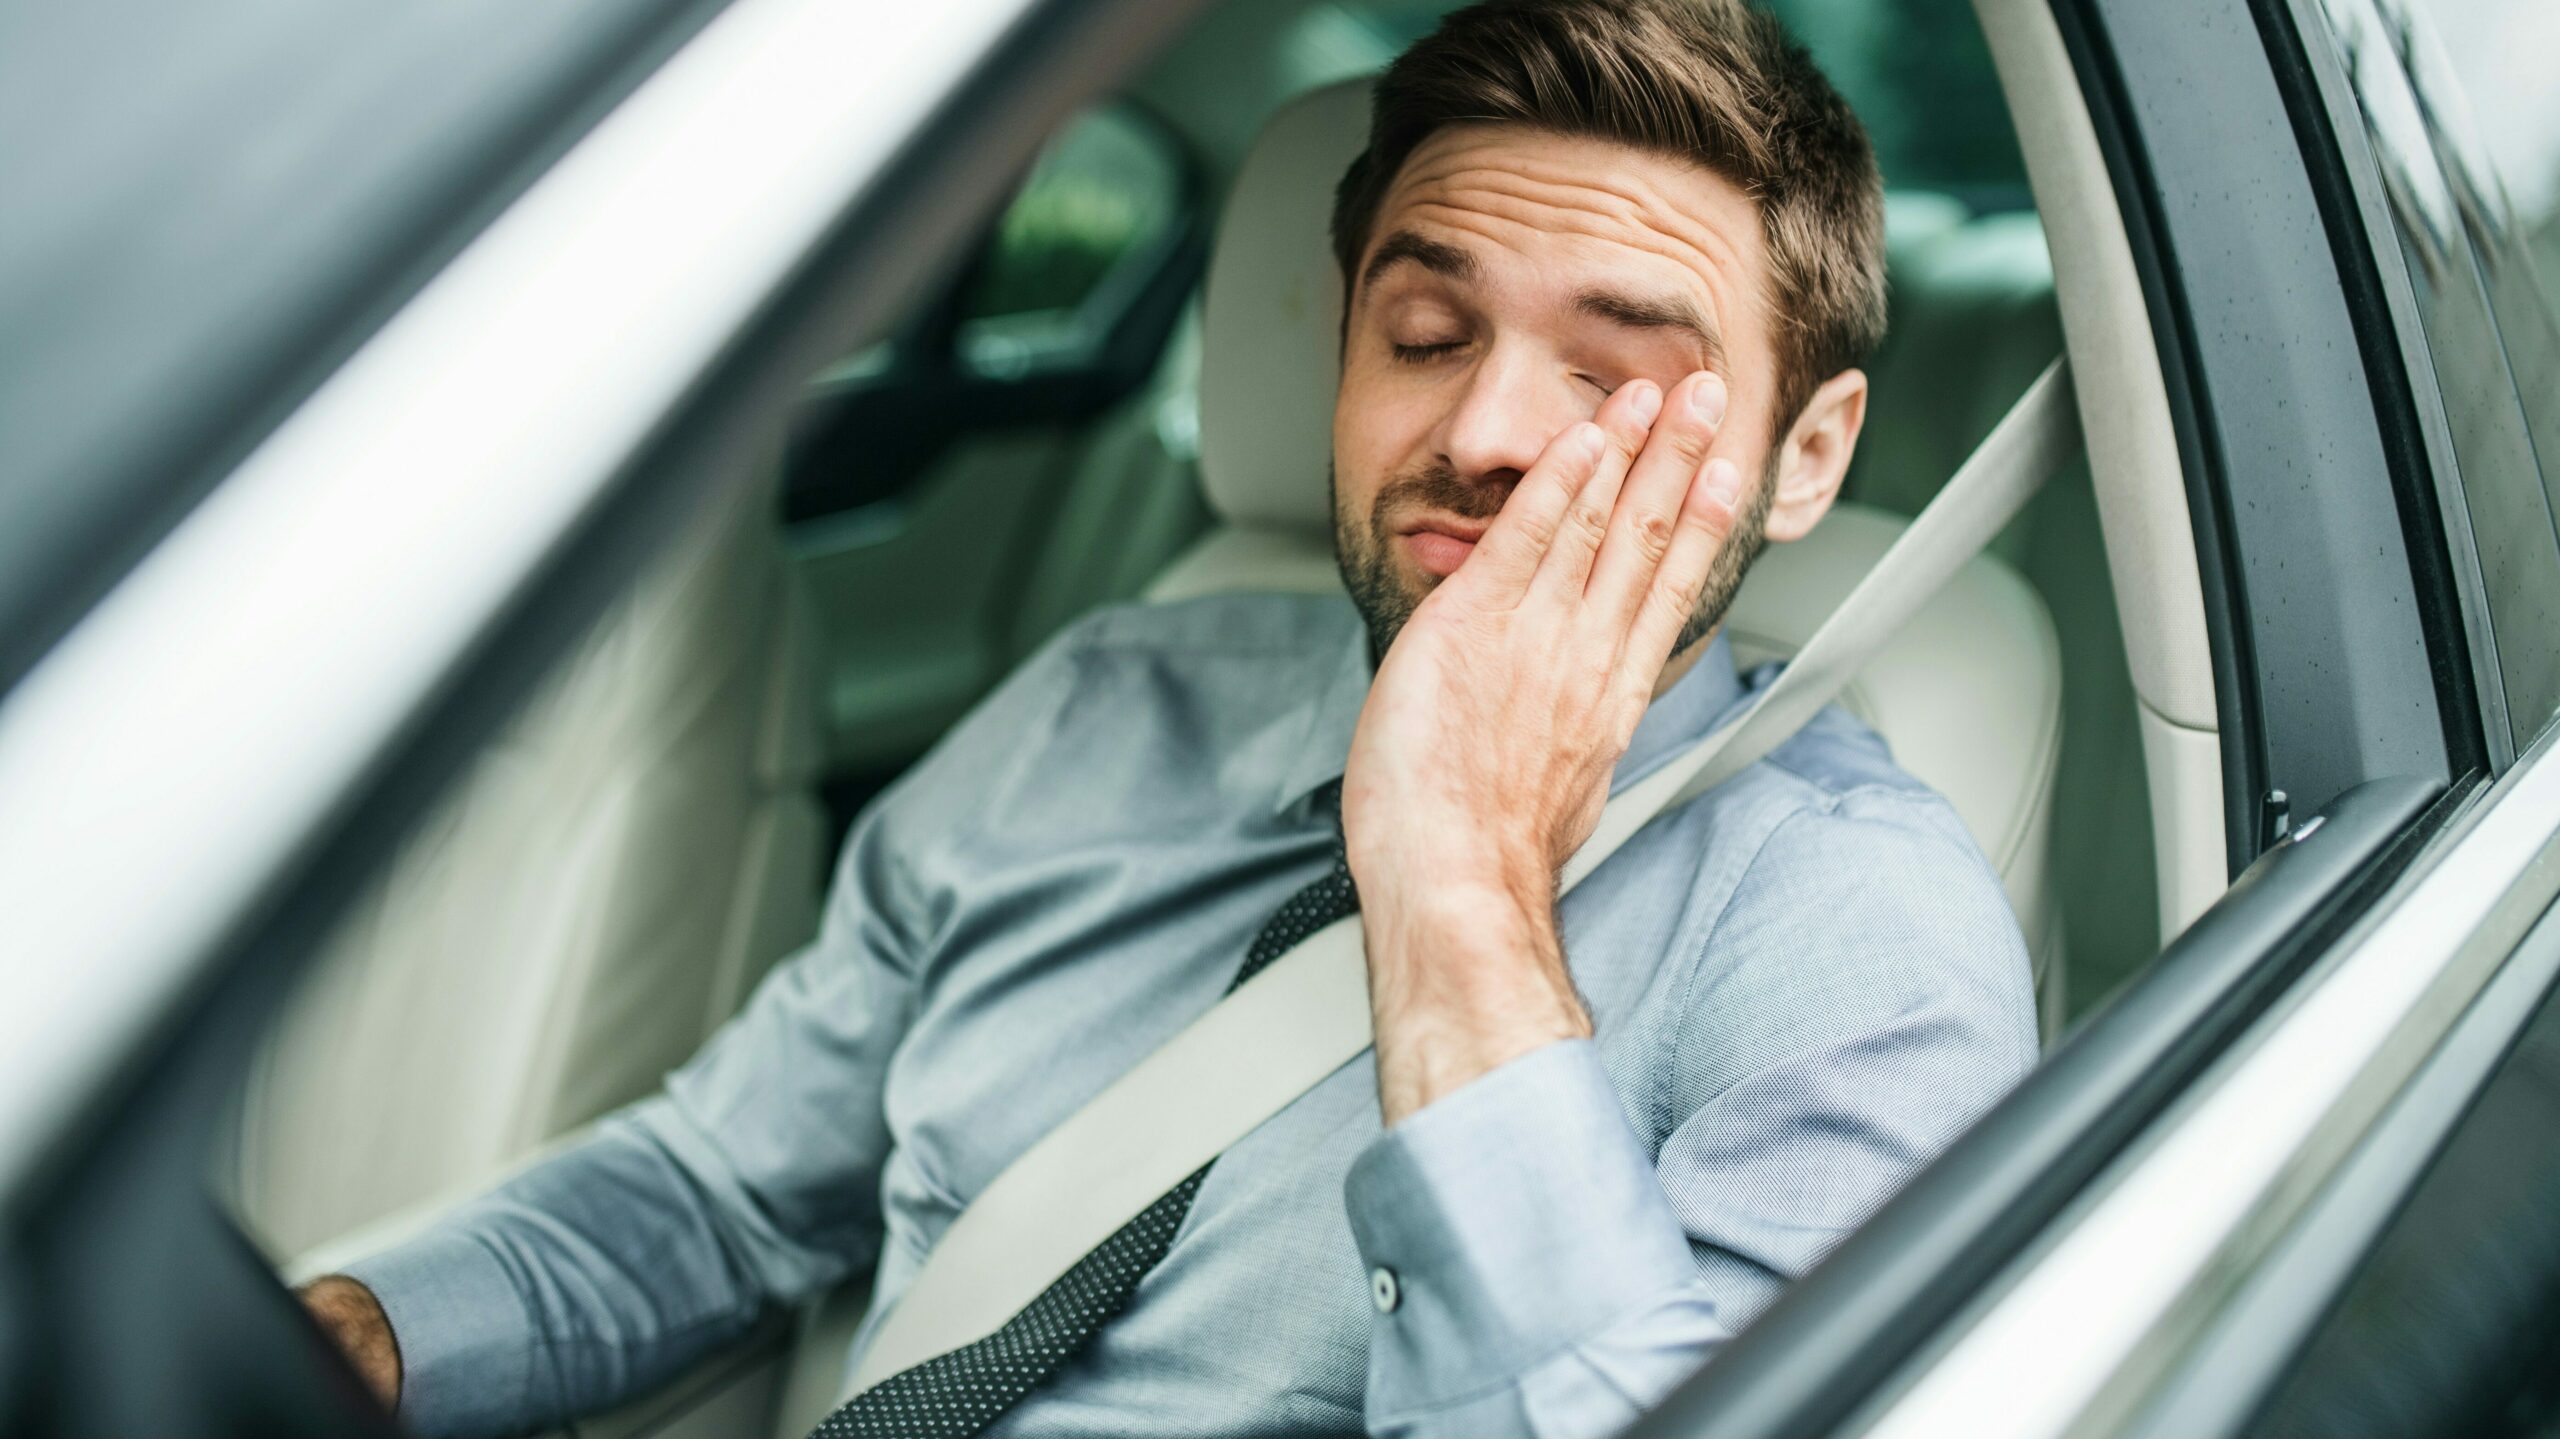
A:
<point x="353" y="1319"/>
<point x="1483" y="755"/>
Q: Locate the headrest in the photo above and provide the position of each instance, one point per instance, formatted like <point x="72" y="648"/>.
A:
<point x="1271" y="326"/>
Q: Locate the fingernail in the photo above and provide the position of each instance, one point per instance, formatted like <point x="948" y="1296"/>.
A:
<point x="1724" y="481"/>
<point x="1646" y="401"/>
<point x="1707" y="400"/>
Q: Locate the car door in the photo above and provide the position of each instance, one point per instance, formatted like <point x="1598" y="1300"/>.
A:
<point x="400" y="340"/>
<point x="2416" y="1293"/>
<point x="2164" y="1231"/>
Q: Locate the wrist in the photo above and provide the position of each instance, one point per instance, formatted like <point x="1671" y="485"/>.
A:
<point x="1463" y="980"/>
<point x="1453" y="870"/>
<point x="349" y="1314"/>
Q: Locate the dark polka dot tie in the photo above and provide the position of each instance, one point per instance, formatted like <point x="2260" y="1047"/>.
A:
<point x="964" y="1391"/>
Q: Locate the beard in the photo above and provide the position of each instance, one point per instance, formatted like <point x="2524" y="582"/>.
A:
<point x="1364" y="549"/>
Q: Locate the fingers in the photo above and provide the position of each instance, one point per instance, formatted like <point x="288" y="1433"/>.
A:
<point x="1652" y="504"/>
<point x="1624" y="419"/>
<point x="1609" y="504"/>
<point x="1507" y="556"/>
<point x="1708" y="514"/>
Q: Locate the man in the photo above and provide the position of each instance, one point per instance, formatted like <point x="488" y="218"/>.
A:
<point x="1609" y="266"/>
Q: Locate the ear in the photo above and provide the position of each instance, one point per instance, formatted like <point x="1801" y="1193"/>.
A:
<point x="1814" y="457"/>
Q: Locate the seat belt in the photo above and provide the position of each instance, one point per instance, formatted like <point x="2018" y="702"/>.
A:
<point x="1307" y="1014"/>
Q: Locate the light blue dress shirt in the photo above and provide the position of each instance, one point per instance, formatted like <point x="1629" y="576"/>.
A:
<point x="1804" y="984"/>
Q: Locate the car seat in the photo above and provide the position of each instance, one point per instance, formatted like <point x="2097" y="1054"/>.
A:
<point x="581" y="910"/>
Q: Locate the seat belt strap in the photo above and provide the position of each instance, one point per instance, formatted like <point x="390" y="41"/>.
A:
<point x="1282" y="1032"/>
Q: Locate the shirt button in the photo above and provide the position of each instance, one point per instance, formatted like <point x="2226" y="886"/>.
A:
<point x="1383" y="1290"/>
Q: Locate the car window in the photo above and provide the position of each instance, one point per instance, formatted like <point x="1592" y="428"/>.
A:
<point x="2490" y="61"/>
<point x="2496" y="55"/>
<point x="1104" y="196"/>
<point x="1919" y="75"/>
<point x="2467" y="276"/>
<point x="1057" y="313"/>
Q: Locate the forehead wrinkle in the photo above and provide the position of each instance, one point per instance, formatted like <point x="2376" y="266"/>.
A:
<point x="1522" y="222"/>
<point x="1630" y="203"/>
<point x="1526" y="190"/>
<point x="1544" y="200"/>
<point x="1499" y="153"/>
<point x="1692" y="253"/>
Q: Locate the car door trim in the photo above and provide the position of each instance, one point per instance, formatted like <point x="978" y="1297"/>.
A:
<point x="2258" y="1338"/>
<point x="1803" y="1367"/>
<point x="2408" y="404"/>
<point x="2341" y="664"/>
<point x="2075" y="1340"/>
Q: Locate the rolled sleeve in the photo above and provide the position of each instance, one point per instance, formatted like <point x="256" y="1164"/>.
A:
<point x="467" y="1346"/>
<point x="1512" y="1220"/>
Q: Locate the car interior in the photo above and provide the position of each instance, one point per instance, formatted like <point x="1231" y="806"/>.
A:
<point x="1122" y="396"/>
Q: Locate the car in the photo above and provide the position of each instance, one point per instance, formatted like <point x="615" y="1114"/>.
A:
<point x="488" y="493"/>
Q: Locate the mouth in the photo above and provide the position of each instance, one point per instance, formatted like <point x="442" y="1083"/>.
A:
<point x="1439" y="546"/>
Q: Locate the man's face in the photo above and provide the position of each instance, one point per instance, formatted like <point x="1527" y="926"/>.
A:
<point x="1513" y="278"/>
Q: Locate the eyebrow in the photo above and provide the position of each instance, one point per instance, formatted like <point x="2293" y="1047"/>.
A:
<point x="1654" y="312"/>
<point x="1634" y="312"/>
<point x="1405" y="247"/>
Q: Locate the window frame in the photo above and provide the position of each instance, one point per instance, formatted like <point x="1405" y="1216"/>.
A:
<point x="2165" y="92"/>
<point x="104" y="1148"/>
<point x="385" y="204"/>
<point x="2267" y="1345"/>
<point x="2415" y="388"/>
<point x="2338" y="647"/>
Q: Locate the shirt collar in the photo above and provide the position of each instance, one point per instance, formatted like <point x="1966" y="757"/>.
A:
<point x="1678" y="716"/>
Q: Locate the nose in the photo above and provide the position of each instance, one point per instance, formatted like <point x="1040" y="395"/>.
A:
<point x="1511" y="405"/>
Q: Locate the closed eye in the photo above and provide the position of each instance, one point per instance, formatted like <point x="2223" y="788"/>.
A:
<point x="1423" y="354"/>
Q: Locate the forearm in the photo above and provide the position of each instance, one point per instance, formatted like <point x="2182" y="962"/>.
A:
<point x="581" y="1283"/>
<point x="1466" y="974"/>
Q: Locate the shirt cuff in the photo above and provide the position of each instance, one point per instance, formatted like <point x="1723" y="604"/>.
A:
<point x="466" y="1344"/>
<point x="1505" y="1223"/>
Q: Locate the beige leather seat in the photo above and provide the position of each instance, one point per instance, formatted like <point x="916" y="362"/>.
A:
<point x="597" y="894"/>
<point x="1968" y="696"/>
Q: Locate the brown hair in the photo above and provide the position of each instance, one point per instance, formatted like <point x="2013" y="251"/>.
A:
<point x="1714" y="82"/>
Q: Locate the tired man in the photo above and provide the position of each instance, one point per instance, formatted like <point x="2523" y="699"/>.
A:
<point x="1609" y="268"/>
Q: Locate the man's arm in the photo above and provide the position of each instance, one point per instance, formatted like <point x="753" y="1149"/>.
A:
<point x="750" y="1182"/>
<point x="610" y="1267"/>
<point x="1555" y="1274"/>
<point x="1481" y="762"/>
